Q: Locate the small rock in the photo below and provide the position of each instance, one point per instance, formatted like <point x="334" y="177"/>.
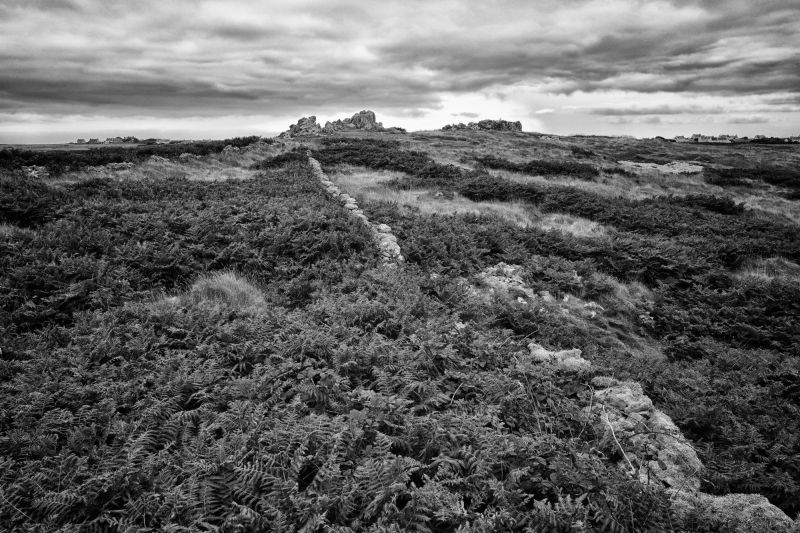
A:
<point x="567" y="359"/>
<point x="627" y="396"/>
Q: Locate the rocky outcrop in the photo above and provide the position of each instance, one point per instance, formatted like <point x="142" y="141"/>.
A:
<point x="486" y="125"/>
<point x="306" y="126"/>
<point x="381" y="233"/>
<point x="361" y="121"/>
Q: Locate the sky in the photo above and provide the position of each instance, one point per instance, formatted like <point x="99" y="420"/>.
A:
<point x="199" y="69"/>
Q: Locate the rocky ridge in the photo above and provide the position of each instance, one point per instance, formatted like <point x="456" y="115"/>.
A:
<point x="381" y="233"/>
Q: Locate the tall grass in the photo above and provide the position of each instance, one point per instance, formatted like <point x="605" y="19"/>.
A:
<point x="769" y="268"/>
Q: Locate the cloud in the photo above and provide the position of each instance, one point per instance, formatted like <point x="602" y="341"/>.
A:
<point x="753" y="119"/>
<point x="410" y="59"/>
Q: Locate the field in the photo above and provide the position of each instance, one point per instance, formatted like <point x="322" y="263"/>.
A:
<point x="206" y="340"/>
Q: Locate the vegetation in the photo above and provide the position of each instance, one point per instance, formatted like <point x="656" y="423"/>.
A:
<point x="57" y="161"/>
<point x="745" y="177"/>
<point x="229" y="356"/>
<point x="544" y="167"/>
<point x="682" y="248"/>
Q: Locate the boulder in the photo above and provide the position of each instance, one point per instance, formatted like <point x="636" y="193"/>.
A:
<point x="734" y="513"/>
<point x="306" y="126"/>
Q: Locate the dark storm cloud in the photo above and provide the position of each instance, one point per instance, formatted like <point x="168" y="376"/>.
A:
<point x="196" y="58"/>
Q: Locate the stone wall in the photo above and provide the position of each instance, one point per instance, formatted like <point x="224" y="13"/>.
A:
<point x="381" y="233"/>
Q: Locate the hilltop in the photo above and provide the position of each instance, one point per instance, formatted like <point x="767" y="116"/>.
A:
<point x="476" y="329"/>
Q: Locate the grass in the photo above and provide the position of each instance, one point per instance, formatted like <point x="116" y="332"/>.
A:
<point x="212" y="167"/>
<point x="769" y="268"/>
<point x="11" y="230"/>
<point x="372" y="186"/>
<point x="226" y="288"/>
<point x="577" y="226"/>
<point x="652" y="183"/>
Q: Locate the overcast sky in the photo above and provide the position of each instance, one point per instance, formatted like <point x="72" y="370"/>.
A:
<point x="212" y="69"/>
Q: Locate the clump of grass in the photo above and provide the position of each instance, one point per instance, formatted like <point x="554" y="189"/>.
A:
<point x="577" y="226"/>
<point x="11" y="230"/>
<point x="769" y="268"/>
<point x="225" y="288"/>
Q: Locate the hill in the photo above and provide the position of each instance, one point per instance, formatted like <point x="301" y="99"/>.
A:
<point x="448" y="331"/>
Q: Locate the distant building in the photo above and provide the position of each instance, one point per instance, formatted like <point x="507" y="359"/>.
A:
<point x="93" y="141"/>
<point x="81" y="141"/>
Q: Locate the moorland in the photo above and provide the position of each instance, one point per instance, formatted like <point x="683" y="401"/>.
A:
<point x="205" y="339"/>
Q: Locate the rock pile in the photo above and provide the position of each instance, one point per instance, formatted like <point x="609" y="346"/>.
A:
<point x="486" y="125"/>
<point x="382" y="234"/>
<point x="361" y="121"/>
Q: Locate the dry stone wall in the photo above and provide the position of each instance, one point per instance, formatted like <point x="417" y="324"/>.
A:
<point x="381" y="233"/>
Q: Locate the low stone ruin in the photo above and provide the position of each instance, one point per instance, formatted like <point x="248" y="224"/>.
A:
<point x="486" y="125"/>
